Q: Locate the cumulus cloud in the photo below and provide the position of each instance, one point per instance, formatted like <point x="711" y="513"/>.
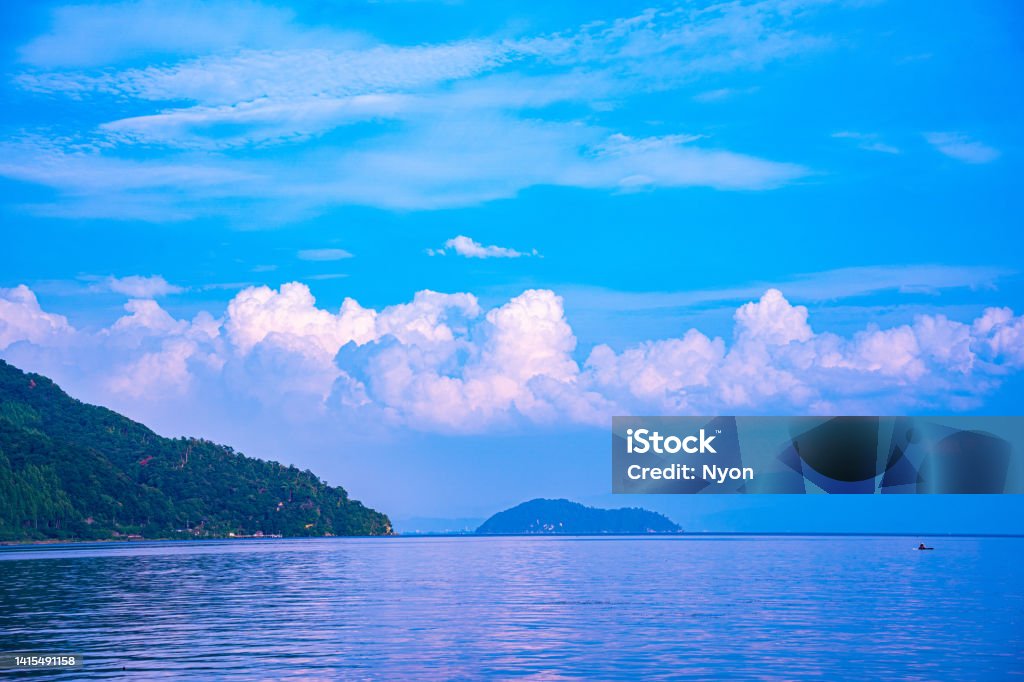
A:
<point x="21" y="319"/>
<point x="146" y="315"/>
<point x="469" y="248"/>
<point x="962" y="148"/>
<point x="1003" y="334"/>
<point x="290" y="319"/>
<point x="658" y="372"/>
<point x="441" y="362"/>
<point x="773" y="320"/>
<point x="470" y="381"/>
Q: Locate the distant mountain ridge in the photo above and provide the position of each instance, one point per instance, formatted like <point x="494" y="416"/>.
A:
<point x="564" y="517"/>
<point x="72" y="470"/>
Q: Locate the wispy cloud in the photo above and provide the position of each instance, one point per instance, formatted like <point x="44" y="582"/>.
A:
<point x="469" y="248"/>
<point x="962" y="148"/>
<point x="455" y="162"/>
<point x="828" y="285"/>
<point x="442" y="163"/>
<point x="721" y="94"/>
<point x="93" y="184"/>
<point x="871" y="142"/>
<point x="137" y="286"/>
<point x="327" y="276"/>
<point x="93" y="35"/>
<point x="324" y="254"/>
<point x="465" y="121"/>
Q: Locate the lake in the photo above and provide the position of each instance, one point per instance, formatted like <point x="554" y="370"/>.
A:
<point x="553" y="608"/>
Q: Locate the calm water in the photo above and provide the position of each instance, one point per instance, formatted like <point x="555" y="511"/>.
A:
<point x="595" y="608"/>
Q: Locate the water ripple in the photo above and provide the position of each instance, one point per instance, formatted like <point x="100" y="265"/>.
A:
<point x="546" y="608"/>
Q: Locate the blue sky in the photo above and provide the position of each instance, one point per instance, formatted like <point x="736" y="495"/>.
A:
<point x="217" y="219"/>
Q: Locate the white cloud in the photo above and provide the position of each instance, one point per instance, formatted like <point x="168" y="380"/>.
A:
<point x="945" y="341"/>
<point x="93" y="185"/>
<point x="422" y="380"/>
<point x="773" y="320"/>
<point x="441" y="362"/>
<point x="147" y="316"/>
<point x="239" y="52"/>
<point x="427" y="317"/>
<point x="889" y="352"/>
<point x="445" y="163"/>
<point x="469" y="248"/>
<point x="659" y="372"/>
<point x="96" y="35"/>
<point x="778" y="363"/>
<point x="156" y="372"/>
<point x="137" y="286"/>
<point x="21" y="319"/>
<point x="324" y="254"/>
<point x="868" y="141"/>
<point x="289" y="318"/>
<point x="1002" y="333"/>
<point x="721" y="94"/>
<point x="829" y="285"/>
<point x="528" y="337"/>
<point x="467" y="121"/>
<point x="671" y="161"/>
<point x="288" y="79"/>
<point x="258" y="121"/>
<point x="459" y="162"/>
<point x="962" y="148"/>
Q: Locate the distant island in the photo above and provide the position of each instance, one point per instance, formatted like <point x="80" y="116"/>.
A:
<point x="74" y="471"/>
<point x="564" y="517"/>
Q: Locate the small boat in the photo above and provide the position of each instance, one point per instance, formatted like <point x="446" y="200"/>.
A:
<point x="922" y="547"/>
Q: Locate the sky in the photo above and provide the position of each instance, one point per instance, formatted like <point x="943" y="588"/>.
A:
<point x="427" y="249"/>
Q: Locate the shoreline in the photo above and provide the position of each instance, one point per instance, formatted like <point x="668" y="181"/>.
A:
<point x="652" y="536"/>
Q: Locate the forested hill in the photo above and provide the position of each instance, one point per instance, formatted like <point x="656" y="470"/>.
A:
<point x="71" y="470"/>
<point x="562" y="517"/>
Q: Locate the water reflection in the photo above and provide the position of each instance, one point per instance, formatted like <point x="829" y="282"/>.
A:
<point x="551" y="607"/>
